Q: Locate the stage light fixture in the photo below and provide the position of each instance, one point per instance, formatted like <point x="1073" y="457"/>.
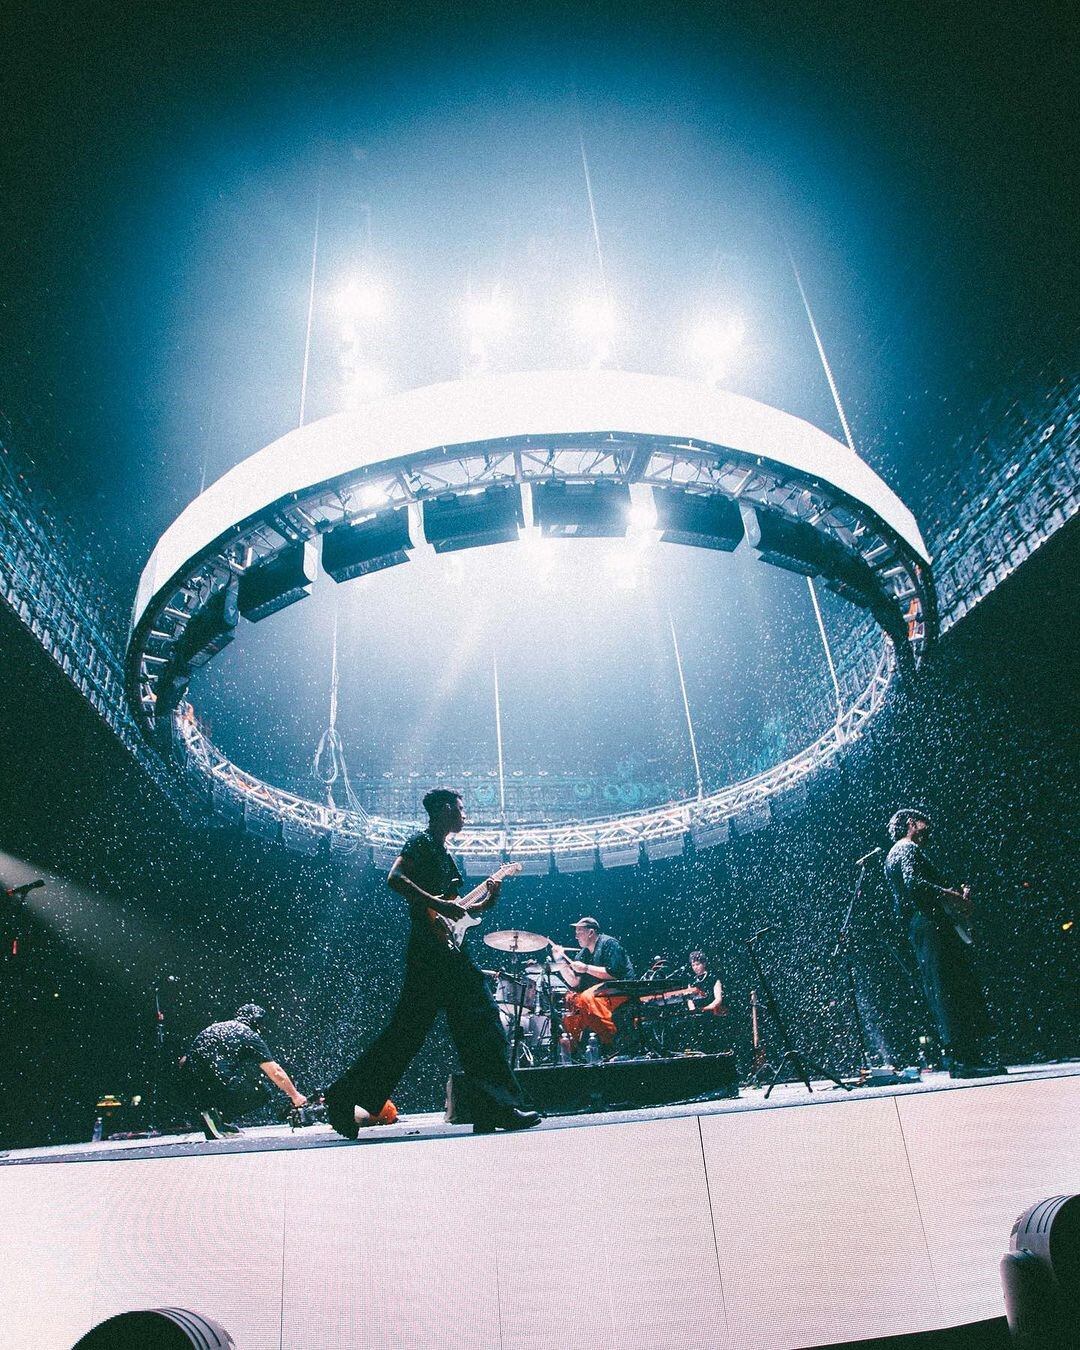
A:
<point x="596" y="510"/>
<point x="793" y="545"/>
<point x="474" y="519"/>
<point x="274" y="585"/>
<point x="655" y="849"/>
<point x="620" y="855"/>
<point x="301" y="839"/>
<point x="576" y="860"/>
<point x="210" y="630"/>
<point x="709" y="835"/>
<point x="695" y="518"/>
<point x="1040" y="1274"/>
<point x="531" y="864"/>
<point x="358" y="549"/>
<point x="482" y="864"/>
<point x="160" y="1328"/>
<point x="847" y="575"/>
<point x="261" y="822"/>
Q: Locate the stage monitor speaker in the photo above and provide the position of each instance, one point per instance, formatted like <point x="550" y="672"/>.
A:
<point x="619" y="1085"/>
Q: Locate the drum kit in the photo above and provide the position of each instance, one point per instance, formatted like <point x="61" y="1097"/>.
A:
<point x="525" y="996"/>
<point x="531" y="998"/>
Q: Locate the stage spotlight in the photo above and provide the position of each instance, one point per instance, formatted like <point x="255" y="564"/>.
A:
<point x="157" y="1329"/>
<point x="595" y="510"/>
<point x="1040" y="1274"/>
<point x="695" y="518"/>
<point x="370" y="498"/>
<point x="356" y="550"/>
<point x="712" y="344"/>
<point x="278" y="583"/>
<point x="474" y="519"/>
<point x="641" y="518"/>
<point x="211" y="630"/>
<point x="362" y="299"/>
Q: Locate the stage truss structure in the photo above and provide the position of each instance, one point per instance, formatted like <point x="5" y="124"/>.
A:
<point x="522" y="433"/>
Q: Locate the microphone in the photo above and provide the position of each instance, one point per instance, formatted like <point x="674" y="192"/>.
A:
<point x="867" y="856"/>
<point x="20" y="891"/>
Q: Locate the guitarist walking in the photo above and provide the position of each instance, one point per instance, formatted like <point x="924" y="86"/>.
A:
<point x="936" y="917"/>
<point x="438" y="975"/>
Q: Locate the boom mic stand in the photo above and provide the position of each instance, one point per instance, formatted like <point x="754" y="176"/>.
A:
<point x="803" y="1067"/>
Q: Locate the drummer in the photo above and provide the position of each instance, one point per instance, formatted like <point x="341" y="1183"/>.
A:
<point x="600" y="957"/>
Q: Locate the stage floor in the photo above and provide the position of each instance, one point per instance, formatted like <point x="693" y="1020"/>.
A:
<point x="431" y="1125"/>
<point x="804" y="1220"/>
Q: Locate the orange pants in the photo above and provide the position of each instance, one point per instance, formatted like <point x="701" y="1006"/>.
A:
<point x="587" y="1011"/>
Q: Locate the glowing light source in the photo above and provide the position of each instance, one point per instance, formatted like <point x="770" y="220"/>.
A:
<point x="594" y="318"/>
<point x="713" y="343"/>
<point x="363" y="384"/>
<point x="371" y="497"/>
<point x="363" y="299"/>
<point x="487" y="318"/>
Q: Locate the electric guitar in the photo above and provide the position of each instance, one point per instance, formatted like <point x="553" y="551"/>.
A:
<point x="955" y="905"/>
<point x="453" y="931"/>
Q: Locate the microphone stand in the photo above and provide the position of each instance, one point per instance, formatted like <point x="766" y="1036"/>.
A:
<point x="153" y="1116"/>
<point x="843" y="945"/>
<point x="803" y="1067"/>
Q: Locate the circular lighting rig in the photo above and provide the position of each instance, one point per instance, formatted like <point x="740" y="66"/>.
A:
<point x="474" y="462"/>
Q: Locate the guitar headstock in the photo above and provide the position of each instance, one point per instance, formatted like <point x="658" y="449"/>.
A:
<point x="506" y="870"/>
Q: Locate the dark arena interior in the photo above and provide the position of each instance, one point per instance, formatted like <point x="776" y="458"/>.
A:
<point x="610" y="470"/>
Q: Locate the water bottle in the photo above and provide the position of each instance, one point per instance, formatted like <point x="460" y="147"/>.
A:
<point x="592" y="1049"/>
<point x="98" y="1131"/>
<point x="565" y="1055"/>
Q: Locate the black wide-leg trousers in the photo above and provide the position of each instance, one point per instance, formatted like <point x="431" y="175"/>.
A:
<point x="951" y="987"/>
<point x="436" y="979"/>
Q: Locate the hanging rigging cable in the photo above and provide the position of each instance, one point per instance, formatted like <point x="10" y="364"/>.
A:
<point x="592" y="217"/>
<point x="828" y="649"/>
<point x="499" y="742"/>
<point x="329" y="765"/>
<point x="821" y="353"/>
<point x="686" y="710"/>
<point x="311" y="302"/>
<point x="851" y="446"/>
<point x="607" y="346"/>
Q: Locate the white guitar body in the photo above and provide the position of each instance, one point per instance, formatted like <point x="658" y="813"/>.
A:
<point x="453" y="931"/>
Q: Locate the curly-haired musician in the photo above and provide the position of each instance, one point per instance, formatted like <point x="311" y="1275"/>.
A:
<point x="936" y="918"/>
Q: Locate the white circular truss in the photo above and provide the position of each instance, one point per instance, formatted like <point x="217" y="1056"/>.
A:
<point x="525" y="431"/>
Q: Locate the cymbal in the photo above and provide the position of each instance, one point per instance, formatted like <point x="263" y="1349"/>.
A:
<point x="515" y="940"/>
